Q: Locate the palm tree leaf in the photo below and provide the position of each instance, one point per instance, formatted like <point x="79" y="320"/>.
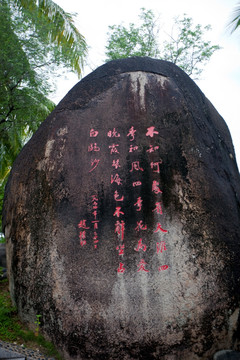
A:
<point x="235" y="22"/>
<point x="63" y="31"/>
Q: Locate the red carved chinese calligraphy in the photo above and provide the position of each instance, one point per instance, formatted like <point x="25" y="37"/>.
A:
<point x="139" y="204"/>
<point x="82" y="237"/>
<point x="93" y="147"/>
<point x="159" y="228"/>
<point x="82" y="224"/>
<point x="116" y="178"/>
<point x="140" y="226"/>
<point x="163" y="267"/>
<point x="137" y="183"/>
<point x="131" y="133"/>
<point x="121" y="268"/>
<point x="113" y="148"/>
<point x="155" y="187"/>
<point x="118" y="211"/>
<point x="140" y="246"/>
<point x="93" y="133"/>
<point x="136" y="166"/>
<point x="95" y="205"/>
<point x="94" y="202"/>
<point x="95" y="224"/>
<point x="120" y="228"/>
<point x="158" y="208"/>
<point x="113" y="133"/>
<point x="120" y="249"/>
<point x="95" y="221"/>
<point x="161" y="246"/>
<point x="94" y="213"/>
<point x="152" y="148"/>
<point x="155" y="166"/>
<point x="133" y="148"/>
<point x="94" y="164"/>
<point x="95" y="239"/>
<point x="94" y="197"/>
<point x="116" y="196"/>
<point x="116" y="164"/>
<point x="141" y="266"/>
<point x="151" y="132"/>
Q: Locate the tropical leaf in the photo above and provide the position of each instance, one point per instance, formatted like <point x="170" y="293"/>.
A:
<point x="62" y="31"/>
<point x="235" y="22"/>
<point x="36" y="37"/>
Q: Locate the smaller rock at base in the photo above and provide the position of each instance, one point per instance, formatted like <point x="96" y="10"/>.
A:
<point x="8" y="354"/>
<point x="227" y="355"/>
<point x="3" y="255"/>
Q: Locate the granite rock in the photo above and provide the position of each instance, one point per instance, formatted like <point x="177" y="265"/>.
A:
<point x="122" y="219"/>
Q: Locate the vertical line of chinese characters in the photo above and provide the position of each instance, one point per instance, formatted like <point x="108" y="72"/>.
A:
<point x="88" y="232"/>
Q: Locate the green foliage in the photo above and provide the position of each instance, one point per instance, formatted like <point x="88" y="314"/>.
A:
<point x="23" y="101"/>
<point x="38" y="323"/>
<point x="36" y="38"/>
<point x="60" y="29"/>
<point x="9" y="326"/>
<point x="185" y="47"/>
<point x="235" y="22"/>
<point x="133" y="41"/>
<point x="12" y="330"/>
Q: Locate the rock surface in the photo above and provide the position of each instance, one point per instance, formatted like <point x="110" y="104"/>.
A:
<point x="122" y="219"/>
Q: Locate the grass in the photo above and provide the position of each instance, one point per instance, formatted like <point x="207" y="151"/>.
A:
<point x="14" y="331"/>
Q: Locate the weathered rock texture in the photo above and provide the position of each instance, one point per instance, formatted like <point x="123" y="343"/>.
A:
<point x="122" y="219"/>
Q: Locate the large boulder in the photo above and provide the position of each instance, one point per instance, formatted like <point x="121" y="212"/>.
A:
<point x="122" y="219"/>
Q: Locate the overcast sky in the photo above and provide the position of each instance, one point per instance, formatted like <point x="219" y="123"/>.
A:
<point x="221" y="77"/>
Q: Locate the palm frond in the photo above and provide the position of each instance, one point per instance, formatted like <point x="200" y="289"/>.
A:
<point x="235" y="21"/>
<point x="63" y="31"/>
